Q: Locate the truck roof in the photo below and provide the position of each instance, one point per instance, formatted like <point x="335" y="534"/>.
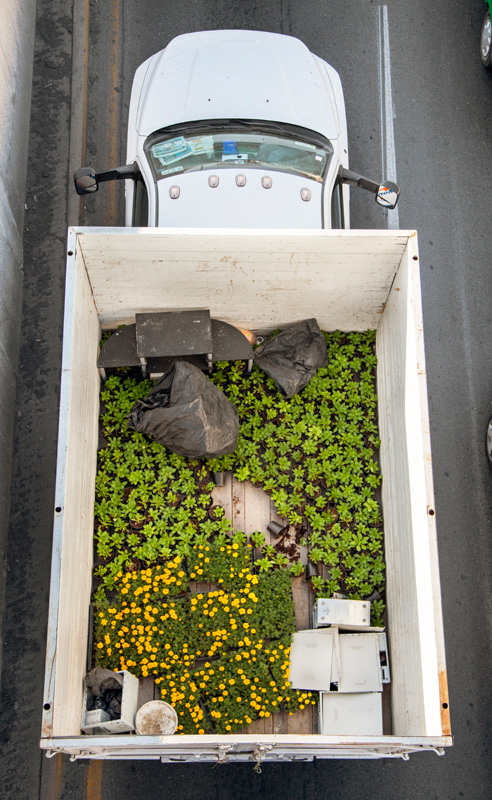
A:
<point x="237" y="74"/>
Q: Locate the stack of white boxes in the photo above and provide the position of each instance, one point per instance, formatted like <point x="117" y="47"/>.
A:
<point x="347" y="669"/>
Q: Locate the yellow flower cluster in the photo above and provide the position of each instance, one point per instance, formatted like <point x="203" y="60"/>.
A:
<point x="153" y="631"/>
<point x="278" y="658"/>
<point x="247" y="684"/>
<point x="220" y="619"/>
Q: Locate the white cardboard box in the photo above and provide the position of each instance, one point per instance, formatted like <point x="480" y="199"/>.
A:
<point x="94" y="718"/>
<point x="333" y="611"/>
<point x="322" y="657"/>
<point x="314" y="659"/>
<point x="350" y="714"/>
<point x="360" y="669"/>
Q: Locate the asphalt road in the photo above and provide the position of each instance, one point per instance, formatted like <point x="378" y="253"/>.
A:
<point x="438" y="141"/>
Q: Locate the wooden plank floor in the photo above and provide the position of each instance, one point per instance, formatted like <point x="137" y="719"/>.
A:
<point x="300" y="722"/>
<point x="251" y="509"/>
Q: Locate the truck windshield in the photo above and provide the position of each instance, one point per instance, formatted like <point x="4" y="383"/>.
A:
<point x="226" y="148"/>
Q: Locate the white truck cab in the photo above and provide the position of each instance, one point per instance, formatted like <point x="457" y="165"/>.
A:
<point x="232" y="129"/>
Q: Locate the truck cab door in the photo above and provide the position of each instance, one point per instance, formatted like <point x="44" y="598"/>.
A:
<point x="140" y="205"/>
<point x="340" y="206"/>
<point x="138" y="202"/>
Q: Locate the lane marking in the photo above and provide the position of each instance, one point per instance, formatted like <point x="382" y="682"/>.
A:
<point x="94" y="780"/>
<point x="86" y="73"/>
<point x="388" y="150"/>
<point x="51" y="778"/>
<point x="113" y="130"/>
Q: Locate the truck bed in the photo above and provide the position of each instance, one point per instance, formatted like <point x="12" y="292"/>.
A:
<point x="348" y="280"/>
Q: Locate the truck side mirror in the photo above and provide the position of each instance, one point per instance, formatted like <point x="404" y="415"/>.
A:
<point x="85" y="180"/>
<point x="387" y="195"/>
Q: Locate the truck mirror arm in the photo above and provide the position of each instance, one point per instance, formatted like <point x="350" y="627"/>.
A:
<point x="354" y="179"/>
<point x="387" y="194"/>
<point x="119" y="173"/>
<point x="87" y="180"/>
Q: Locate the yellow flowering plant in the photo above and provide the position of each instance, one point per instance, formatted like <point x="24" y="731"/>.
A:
<point x="220" y="561"/>
<point x="198" y="647"/>
<point x="277" y="655"/>
<point x="219" y="620"/>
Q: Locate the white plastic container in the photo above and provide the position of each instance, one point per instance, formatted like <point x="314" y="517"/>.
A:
<point x="91" y="720"/>
<point x="349" y="613"/>
<point x="348" y="280"/>
<point x="91" y="723"/>
<point x="156" y="718"/>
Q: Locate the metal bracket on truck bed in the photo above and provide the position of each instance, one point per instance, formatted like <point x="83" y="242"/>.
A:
<point x="222" y="753"/>
<point x="259" y="754"/>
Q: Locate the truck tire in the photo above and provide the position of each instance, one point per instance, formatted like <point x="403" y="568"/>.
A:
<point x="486" y="40"/>
<point x="488" y="442"/>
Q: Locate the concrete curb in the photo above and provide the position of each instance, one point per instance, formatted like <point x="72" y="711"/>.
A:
<point x="16" y="64"/>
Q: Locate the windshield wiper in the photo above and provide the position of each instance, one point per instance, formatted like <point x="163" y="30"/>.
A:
<point x="196" y="127"/>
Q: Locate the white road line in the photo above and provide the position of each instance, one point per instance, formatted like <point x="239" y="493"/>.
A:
<point x="388" y="151"/>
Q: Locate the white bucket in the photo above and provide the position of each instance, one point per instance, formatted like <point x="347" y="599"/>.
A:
<point x="156" y="718"/>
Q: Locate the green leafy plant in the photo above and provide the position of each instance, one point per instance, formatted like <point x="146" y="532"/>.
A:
<point x="257" y="538"/>
<point x="317" y="583"/>
<point x="153" y="502"/>
<point x="377" y="611"/>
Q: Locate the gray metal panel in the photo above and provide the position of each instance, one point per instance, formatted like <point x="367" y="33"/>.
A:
<point x="120" y="350"/>
<point x="173" y="333"/>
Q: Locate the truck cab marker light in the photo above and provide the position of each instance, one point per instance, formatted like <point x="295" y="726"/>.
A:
<point x="213" y="181"/>
<point x="240" y="180"/>
<point x="266" y="182"/>
<point x="306" y="195"/>
<point x="174" y="192"/>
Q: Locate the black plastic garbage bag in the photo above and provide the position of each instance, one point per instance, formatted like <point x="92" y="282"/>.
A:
<point x="292" y="357"/>
<point x="110" y="702"/>
<point x="105" y="689"/>
<point x="188" y="414"/>
<point x="99" y="679"/>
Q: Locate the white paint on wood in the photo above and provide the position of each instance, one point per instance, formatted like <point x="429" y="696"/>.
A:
<point x="274" y="516"/>
<point x="222" y="496"/>
<point x="414" y="610"/>
<point x="248" y="278"/>
<point x="73" y="527"/>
